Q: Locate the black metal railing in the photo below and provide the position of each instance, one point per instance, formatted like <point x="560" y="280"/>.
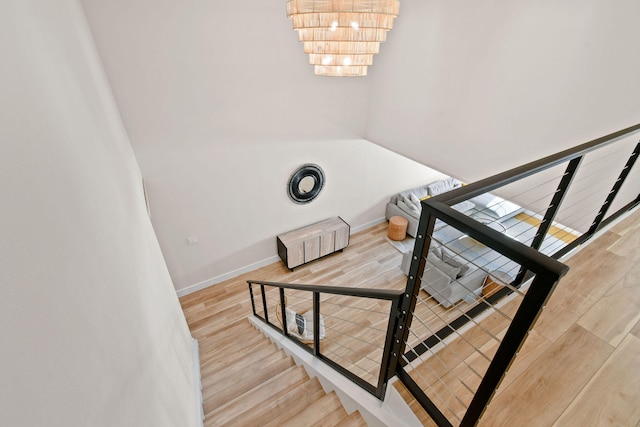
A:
<point x="340" y="315"/>
<point x="522" y="296"/>
<point x="467" y="341"/>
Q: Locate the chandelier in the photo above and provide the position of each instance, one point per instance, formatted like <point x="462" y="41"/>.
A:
<point x="341" y="36"/>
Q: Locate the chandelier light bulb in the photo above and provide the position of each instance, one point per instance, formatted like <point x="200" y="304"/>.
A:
<point x="341" y="36"/>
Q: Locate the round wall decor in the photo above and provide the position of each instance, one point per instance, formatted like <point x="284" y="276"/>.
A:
<point x="305" y="183"/>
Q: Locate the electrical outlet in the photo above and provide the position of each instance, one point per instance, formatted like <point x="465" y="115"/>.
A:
<point x="192" y="240"/>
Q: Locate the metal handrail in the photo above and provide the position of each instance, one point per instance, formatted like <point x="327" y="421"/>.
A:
<point x="477" y="188"/>
<point x="545" y="270"/>
<point x="385" y="294"/>
<point x="389" y="359"/>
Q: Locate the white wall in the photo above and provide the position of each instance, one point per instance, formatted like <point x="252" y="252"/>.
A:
<point x="221" y="107"/>
<point x="233" y="198"/>
<point x="475" y="88"/>
<point x="92" y="333"/>
<point x="214" y="72"/>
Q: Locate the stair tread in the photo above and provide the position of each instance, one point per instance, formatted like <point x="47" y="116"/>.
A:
<point x="283" y="405"/>
<point x="353" y="420"/>
<point x="300" y="403"/>
<point x="221" y="392"/>
<point x="230" y="374"/>
<point x="257" y="395"/>
<point x="332" y="419"/>
<point x="249" y="354"/>
<point x="315" y="411"/>
<point x="237" y="338"/>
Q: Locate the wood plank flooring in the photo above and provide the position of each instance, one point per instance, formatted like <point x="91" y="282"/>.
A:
<point x="586" y="368"/>
<point x="581" y="348"/>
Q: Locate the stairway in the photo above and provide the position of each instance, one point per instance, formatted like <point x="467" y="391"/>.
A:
<point x="248" y="381"/>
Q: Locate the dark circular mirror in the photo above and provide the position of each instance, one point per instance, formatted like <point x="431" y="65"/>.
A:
<point x="305" y="183"/>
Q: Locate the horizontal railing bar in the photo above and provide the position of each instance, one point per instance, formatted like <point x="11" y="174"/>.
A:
<point x="477" y="188"/>
<point x="385" y="294"/>
<point x="511" y="248"/>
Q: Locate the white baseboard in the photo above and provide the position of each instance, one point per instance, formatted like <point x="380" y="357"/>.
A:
<point x="197" y="383"/>
<point x="368" y="225"/>
<point x="230" y="275"/>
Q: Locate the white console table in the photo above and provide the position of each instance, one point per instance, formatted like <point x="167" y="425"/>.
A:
<point x="313" y="241"/>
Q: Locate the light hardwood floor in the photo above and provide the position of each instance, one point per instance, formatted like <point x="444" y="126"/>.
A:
<point x="579" y="366"/>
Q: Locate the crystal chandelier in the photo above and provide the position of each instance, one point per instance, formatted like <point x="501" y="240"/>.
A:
<point x="341" y="36"/>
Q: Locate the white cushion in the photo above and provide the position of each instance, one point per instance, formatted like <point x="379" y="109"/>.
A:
<point x="443" y="186"/>
<point x="408" y="209"/>
<point x="494" y="206"/>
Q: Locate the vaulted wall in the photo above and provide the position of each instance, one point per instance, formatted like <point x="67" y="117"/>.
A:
<point x="475" y="88"/>
<point x="92" y="331"/>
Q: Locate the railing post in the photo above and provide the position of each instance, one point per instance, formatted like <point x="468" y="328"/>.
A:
<point x="410" y="297"/>
<point x="264" y="304"/>
<point x="614" y="191"/>
<point x="552" y="210"/>
<point x="532" y="304"/>
<point x="253" y="303"/>
<point x="283" y="310"/>
<point x="391" y="353"/>
<point x="316" y="323"/>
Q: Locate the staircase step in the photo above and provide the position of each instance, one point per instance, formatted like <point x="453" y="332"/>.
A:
<point x="220" y="392"/>
<point x="333" y="419"/>
<point x="284" y="405"/>
<point x="242" y="367"/>
<point x="215" y="331"/>
<point x="256" y="351"/>
<point x="256" y="396"/>
<point x="238" y="337"/>
<point x="353" y="420"/>
<point x="315" y="411"/>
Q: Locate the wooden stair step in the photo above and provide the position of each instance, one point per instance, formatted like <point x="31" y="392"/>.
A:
<point x="219" y="371"/>
<point x="332" y="419"/>
<point x="225" y="390"/>
<point x="254" y="398"/>
<point x="237" y="337"/>
<point x="283" y="406"/>
<point x="232" y="372"/>
<point x="315" y="411"/>
<point x="257" y="349"/>
<point x="204" y="327"/>
<point x="353" y="420"/>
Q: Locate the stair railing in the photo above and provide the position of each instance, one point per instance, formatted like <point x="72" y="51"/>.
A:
<point x="482" y="334"/>
<point x="484" y="331"/>
<point x="338" y="315"/>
